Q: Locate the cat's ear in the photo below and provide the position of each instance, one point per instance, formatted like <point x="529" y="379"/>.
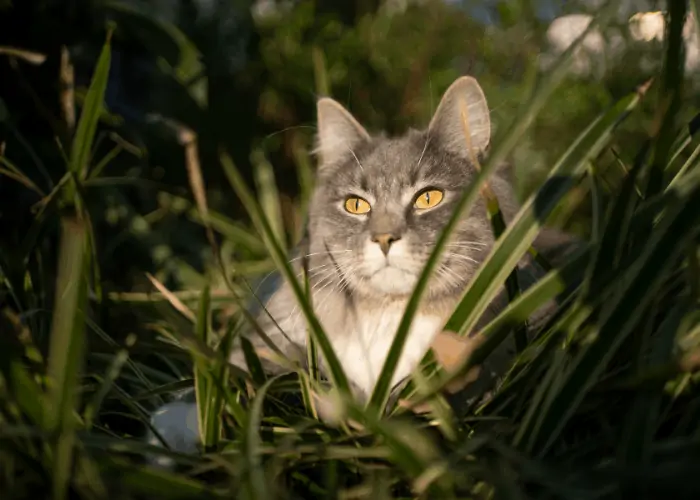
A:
<point x="462" y="104"/>
<point x="339" y="133"/>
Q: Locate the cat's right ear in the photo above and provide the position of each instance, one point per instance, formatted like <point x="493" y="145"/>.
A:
<point x="339" y="133"/>
<point x="462" y="119"/>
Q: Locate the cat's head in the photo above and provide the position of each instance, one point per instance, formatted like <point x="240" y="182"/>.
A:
<point x="380" y="203"/>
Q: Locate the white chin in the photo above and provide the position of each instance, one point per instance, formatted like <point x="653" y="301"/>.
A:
<point x="393" y="281"/>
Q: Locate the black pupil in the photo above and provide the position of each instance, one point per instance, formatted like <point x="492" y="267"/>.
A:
<point x="427" y="198"/>
<point x="357" y="204"/>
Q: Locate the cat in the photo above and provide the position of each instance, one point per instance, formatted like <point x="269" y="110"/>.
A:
<point x="377" y="209"/>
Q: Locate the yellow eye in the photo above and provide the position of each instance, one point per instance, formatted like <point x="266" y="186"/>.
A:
<point x="428" y="199"/>
<point x="356" y="205"/>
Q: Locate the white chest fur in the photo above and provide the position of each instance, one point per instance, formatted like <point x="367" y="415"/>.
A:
<point x="363" y="348"/>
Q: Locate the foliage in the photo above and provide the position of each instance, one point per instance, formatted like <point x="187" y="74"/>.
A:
<point x="131" y="233"/>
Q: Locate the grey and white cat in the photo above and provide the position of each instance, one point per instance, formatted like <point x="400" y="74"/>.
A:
<point x="378" y="207"/>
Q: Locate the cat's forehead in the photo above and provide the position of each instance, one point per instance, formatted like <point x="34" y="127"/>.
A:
<point x="396" y="163"/>
<point x="391" y="158"/>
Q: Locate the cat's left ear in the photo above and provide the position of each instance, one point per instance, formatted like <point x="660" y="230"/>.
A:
<point x="339" y="133"/>
<point x="462" y="110"/>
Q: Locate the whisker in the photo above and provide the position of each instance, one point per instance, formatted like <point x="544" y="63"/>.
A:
<point x="356" y="159"/>
<point x="318" y="253"/>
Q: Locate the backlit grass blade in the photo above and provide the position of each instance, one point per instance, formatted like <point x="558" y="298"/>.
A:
<point x="113" y="372"/>
<point x="305" y="175"/>
<point x="500" y="152"/>
<point x="66" y="349"/>
<point x="670" y="94"/>
<point x="230" y="229"/>
<point x="255" y="367"/>
<point x="268" y="195"/>
<point x="515" y="241"/>
<point x="691" y="163"/>
<point x="257" y="483"/>
<point x="498" y="225"/>
<point x="311" y="351"/>
<point x="90" y="115"/>
<point x="203" y="387"/>
<point x="279" y="256"/>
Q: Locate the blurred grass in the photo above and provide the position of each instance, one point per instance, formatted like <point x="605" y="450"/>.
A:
<point x="601" y="402"/>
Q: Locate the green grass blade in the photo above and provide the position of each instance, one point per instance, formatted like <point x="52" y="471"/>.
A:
<point x="202" y="385"/>
<point x="500" y="152"/>
<point x="113" y="372"/>
<point x="255" y="367"/>
<point x="90" y="115"/>
<point x="278" y="255"/>
<point x="690" y="164"/>
<point x="65" y="358"/>
<point x="268" y="195"/>
<point x="252" y="444"/>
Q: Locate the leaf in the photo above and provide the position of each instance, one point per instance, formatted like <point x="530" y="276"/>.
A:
<point x="202" y="385"/>
<point x="65" y="358"/>
<point x="338" y="377"/>
<point x="252" y="444"/>
<point x="81" y="148"/>
<point x="268" y="195"/>
<point x="29" y="56"/>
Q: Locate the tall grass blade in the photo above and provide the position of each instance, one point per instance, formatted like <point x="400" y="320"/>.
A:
<point x="203" y="387"/>
<point x="66" y="349"/>
<point x="268" y="195"/>
<point x="278" y="255"/>
<point x="257" y="483"/>
<point x="670" y="95"/>
<point x="89" y="117"/>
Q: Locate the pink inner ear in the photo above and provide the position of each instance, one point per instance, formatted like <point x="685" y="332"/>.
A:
<point x="448" y="123"/>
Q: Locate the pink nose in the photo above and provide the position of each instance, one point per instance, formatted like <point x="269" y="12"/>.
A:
<point x="385" y="240"/>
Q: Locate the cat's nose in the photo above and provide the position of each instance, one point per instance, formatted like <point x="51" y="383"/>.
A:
<point x="385" y="240"/>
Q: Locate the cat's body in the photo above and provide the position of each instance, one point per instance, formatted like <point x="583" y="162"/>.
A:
<point x="378" y="207"/>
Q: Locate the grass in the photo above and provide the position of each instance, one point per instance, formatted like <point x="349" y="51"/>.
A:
<point x="600" y="402"/>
